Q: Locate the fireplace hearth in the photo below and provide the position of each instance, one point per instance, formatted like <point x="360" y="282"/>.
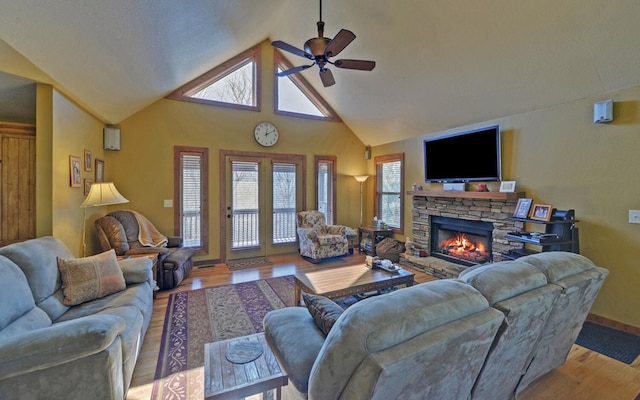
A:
<point x="461" y="241"/>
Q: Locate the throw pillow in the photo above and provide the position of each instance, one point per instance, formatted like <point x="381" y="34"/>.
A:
<point x="90" y="278"/>
<point x="325" y="312"/>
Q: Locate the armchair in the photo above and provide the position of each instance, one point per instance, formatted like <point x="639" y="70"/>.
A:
<point x="319" y="240"/>
<point x="129" y="233"/>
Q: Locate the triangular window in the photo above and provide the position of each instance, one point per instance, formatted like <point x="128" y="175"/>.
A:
<point x="234" y="83"/>
<point x="294" y="96"/>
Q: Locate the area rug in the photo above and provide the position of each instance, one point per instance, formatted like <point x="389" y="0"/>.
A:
<point x="619" y="345"/>
<point x="246" y="263"/>
<point x="196" y="317"/>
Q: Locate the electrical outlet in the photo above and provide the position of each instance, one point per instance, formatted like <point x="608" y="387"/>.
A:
<point x="634" y="216"/>
<point x="168" y="203"/>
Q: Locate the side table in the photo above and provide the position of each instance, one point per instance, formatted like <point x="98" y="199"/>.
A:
<point x="376" y="235"/>
<point x="226" y="380"/>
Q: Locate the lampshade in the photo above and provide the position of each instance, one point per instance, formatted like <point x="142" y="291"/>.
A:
<point x="361" y="178"/>
<point x="102" y="194"/>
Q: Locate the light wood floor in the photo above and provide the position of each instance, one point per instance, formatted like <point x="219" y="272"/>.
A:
<point x="586" y="375"/>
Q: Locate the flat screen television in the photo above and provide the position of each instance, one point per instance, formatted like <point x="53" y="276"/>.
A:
<point x="463" y="157"/>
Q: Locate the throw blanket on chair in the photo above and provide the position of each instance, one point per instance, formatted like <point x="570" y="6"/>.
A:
<point x="148" y="235"/>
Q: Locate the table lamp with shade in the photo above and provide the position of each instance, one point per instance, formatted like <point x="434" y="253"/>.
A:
<point x="361" y="179"/>
<point x="100" y="194"/>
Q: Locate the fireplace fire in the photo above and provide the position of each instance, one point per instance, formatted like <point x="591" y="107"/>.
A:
<point x="462" y="241"/>
<point x="460" y="246"/>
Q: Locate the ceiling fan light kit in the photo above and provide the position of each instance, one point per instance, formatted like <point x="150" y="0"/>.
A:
<point x="320" y="49"/>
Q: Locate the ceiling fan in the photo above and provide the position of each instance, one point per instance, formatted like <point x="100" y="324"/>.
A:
<point x="320" y="49"/>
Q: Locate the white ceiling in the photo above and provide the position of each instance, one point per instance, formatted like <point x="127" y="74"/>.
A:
<point x="440" y="64"/>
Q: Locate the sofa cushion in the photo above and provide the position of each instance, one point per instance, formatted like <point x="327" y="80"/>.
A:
<point x="324" y="311"/>
<point x="137" y="270"/>
<point x="19" y="311"/>
<point x="90" y="278"/>
<point x="504" y="280"/>
<point x="37" y="259"/>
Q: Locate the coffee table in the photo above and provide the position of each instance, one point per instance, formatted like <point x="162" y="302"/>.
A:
<point x="346" y="281"/>
<point x="226" y="380"/>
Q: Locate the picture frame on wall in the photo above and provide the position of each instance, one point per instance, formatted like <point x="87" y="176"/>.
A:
<point x="522" y="208"/>
<point x="541" y="212"/>
<point x="75" y="174"/>
<point x="99" y="170"/>
<point x="508" y="186"/>
<point x="87" y="186"/>
<point x="87" y="160"/>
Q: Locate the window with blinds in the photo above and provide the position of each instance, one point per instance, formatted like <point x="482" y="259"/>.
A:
<point x="284" y="202"/>
<point x="389" y="183"/>
<point x="192" y="207"/>
<point x="325" y="187"/>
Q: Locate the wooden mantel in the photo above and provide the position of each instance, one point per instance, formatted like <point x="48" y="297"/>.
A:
<point x="469" y="195"/>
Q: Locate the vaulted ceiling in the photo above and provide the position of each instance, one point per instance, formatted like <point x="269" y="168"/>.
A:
<point x="440" y="64"/>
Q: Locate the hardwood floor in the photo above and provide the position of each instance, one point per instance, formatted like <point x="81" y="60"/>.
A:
<point x="586" y="375"/>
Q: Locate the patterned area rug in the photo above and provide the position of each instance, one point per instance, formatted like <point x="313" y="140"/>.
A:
<point x="201" y="316"/>
<point x="247" y="263"/>
<point x="619" y="345"/>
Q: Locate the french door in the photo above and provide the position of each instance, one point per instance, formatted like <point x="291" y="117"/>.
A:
<point x="262" y="194"/>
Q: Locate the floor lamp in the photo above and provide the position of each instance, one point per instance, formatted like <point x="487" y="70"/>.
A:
<point x="361" y="179"/>
<point x="100" y="194"/>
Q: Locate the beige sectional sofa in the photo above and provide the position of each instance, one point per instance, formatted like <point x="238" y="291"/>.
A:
<point x="49" y="350"/>
<point x="485" y="335"/>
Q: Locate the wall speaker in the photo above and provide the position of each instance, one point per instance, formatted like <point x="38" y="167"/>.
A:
<point x="111" y="138"/>
<point x="367" y="153"/>
<point x="603" y="111"/>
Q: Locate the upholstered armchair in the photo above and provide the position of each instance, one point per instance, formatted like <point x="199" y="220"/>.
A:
<point x="130" y="233"/>
<point x="319" y="240"/>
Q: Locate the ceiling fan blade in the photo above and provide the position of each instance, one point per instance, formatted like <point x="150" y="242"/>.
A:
<point x="326" y="77"/>
<point x="295" y="69"/>
<point x="362" y="65"/>
<point x="291" y="49"/>
<point x="339" y="42"/>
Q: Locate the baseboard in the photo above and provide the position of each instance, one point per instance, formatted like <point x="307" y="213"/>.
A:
<point x="596" y="319"/>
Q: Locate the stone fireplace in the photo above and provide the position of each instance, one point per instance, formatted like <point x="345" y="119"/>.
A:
<point x="490" y="210"/>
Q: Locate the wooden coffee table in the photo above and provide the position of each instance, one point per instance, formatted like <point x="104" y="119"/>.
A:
<point x="346" y="281"/>
<point x="226" y="380"/>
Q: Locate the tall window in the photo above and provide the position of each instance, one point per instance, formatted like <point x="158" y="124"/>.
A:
<point x="389" y="187"/>
<point x="284" y="202"/>
<point x="190" y="196"/>
<point x="326" y="187"/>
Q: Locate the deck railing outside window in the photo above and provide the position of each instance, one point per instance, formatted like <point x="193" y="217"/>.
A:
<point x="245" y="227"/>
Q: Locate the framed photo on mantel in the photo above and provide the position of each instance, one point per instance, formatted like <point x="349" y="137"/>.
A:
<point x="508" y="186"/>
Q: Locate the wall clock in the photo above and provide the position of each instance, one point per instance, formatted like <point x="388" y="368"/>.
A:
<point x="266" y="134"/>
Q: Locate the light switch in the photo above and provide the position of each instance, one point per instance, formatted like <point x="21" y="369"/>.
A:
<point x="634" y="216"/>
<point x="168" y="203"/>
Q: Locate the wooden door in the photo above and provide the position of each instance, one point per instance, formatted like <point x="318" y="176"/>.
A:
<point x="18" y="182"/>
